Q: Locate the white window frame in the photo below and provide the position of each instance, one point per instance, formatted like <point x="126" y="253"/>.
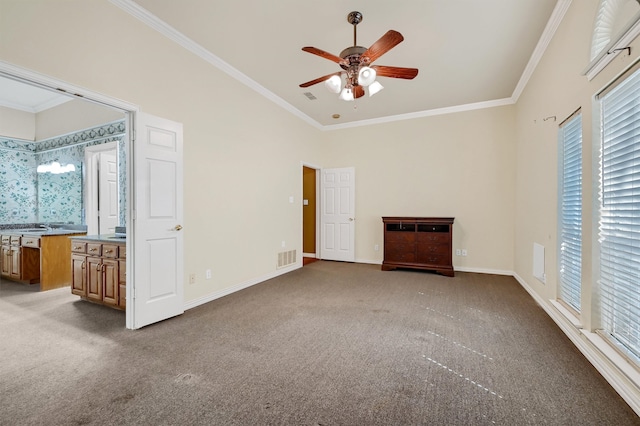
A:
<point x="617" y="316"/>
<point x="570" y="213"/>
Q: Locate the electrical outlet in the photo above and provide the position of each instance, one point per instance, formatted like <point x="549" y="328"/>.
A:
<point x="207" y="274"/>
<point x="284" y="244"/>
<point x="464" y="252"/>
<point x="458" y="252"/>
<point x="376" y="247"/>
<point x="192" y="278"/>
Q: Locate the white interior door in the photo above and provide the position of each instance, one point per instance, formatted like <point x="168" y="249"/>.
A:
<point x="108" y="192"/>
<point x="158" y="240"/>
<point x="338" y="214"/>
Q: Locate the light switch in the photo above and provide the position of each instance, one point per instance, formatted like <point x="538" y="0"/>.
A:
<point x="291" y="199"/>
<point x="305" y="202"/>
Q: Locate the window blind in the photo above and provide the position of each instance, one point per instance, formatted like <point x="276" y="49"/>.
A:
<point x="619" y="219"/>
<point x="570" y="260"/>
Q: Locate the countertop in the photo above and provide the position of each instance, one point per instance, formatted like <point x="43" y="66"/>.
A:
<point x="40" y="232"/>
<point x="103" y="238"/>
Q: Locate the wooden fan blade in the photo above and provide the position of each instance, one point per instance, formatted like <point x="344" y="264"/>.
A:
<point x="323" y="54"/>
<point x="318" y="80"/>
<point x="383" y="45"/>
<point x="395" y="72"/>
<point x="358" y="91"/>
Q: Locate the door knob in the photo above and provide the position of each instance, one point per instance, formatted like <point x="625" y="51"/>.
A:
<point x="351" y="219"/>
<point x="178" y="227"/>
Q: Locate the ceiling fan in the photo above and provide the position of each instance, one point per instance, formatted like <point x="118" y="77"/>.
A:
<point x="356" y="61"/>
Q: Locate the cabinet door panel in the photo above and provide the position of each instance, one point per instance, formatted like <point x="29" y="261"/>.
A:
<point x="94" y="278"/>
<point x="79" y="275"/>
<point x="5" y="254"/>
<point x="122" y="272"/>
<point x="110" y="281"/>
<point x="15" y="263"/>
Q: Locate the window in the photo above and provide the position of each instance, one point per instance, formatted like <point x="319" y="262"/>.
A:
<point x="570" y="202"/>
<point x="619" y="215"/>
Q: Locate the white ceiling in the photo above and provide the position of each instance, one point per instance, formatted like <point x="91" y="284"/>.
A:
<point x="467" y="51"/>
<point x="470" y="53"/>
<point x="25" y="97"/>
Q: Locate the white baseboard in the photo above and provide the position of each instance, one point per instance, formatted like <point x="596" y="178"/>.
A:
<point x="241" y="286"/>
<point x="482" y="270"/>
<point x="623" y="377"/>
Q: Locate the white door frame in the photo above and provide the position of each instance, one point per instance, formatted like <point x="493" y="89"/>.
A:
<point x="40" y="80"/>
<point x="91" y="183"/>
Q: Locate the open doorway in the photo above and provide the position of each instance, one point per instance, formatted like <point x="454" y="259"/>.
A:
<point x="101" y="188"/>
<point x="310" y="205"/>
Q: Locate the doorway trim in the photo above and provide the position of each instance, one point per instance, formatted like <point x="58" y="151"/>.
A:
<point x="318" y="170"/>
<point x="91" y="178"/>
<point x="23" y="75"/>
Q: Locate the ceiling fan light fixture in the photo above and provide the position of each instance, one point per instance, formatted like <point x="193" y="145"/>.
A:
<point x="374" y="88"/>
<point x="333" y="84"/>
<point x="346" y="95"/>
<point x="366" y="76"/>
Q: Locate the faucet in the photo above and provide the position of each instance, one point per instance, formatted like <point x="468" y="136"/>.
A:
<point x="45" y="226"/>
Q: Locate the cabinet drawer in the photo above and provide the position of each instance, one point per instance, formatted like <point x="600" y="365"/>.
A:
<point x="78" y="247"/>
<point x="433" y="259"/>
<point x="400" y="256"/>
<point x="433" y="237"/>
<point x="427" y="249"/>
<point x="122" y="252"/>
<point x="110" y="251"/>
<point x="14" y="240"/>
<point x="400" y="237"/>
<point x="94" y="249"/>
<point x="6" y="240"/>
<point x="31" y="242"/>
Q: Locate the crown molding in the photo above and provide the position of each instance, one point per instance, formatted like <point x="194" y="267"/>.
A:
<point x="40" y="80"/>
<point x="149" y="19"/>
<point x="547" y="35"/>
<point x="421" y="114"/>
<point x="171" y="33"/>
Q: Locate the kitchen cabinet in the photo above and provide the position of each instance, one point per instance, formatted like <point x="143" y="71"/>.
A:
<point x="418" y="243"/>
<point x="98" y="272"/>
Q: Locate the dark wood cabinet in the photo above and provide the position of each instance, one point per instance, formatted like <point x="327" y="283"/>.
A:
<point x="418" y="243"/>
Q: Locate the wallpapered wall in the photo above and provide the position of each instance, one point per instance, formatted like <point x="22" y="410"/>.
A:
<point x="30" y="197"/>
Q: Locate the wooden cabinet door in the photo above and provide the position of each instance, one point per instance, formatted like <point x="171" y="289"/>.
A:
<point x="79" y="275"/>
<point x="94" y="278"/>
<point x="5" y="260"/>
<point x="122" y="292"/>
<point x="110" y="282"/>
<point x="15" y="263"/>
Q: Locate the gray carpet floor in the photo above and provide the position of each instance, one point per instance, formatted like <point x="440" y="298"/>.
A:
<point x="329" y="344"/>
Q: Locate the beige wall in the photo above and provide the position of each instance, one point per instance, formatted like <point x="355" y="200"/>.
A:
<point x="15" y="124"/>
<point x="495" y="170"/>
<point x="557" y="88"/>
<point x="237" y="209"/>
<point x="456" y="165"/>
<point x="73" y="116"/>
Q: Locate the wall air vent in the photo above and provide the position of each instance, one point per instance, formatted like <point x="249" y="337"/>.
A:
<point x="286" y="258"/>
<point x="310" y="96"/>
